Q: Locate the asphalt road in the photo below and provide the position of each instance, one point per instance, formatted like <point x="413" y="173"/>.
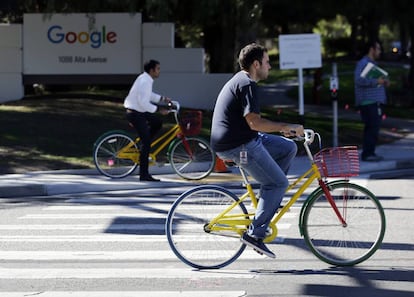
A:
<point x="113" y="244"/>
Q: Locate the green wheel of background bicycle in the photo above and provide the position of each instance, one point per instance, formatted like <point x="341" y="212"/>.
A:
<point x="343" y="244"/>
<point x="106" y="154"/>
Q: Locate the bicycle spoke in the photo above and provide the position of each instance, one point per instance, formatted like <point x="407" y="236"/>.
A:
<point x="192" y="159"/>
<point x="188" y="236"/>
<point x="347" y="244"/>
<point x="106" y="157"/>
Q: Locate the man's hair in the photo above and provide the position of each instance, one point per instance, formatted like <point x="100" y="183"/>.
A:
<point x="151" y="64"/>
<point x="372" y="43"/>
<point x="251" y="53"/>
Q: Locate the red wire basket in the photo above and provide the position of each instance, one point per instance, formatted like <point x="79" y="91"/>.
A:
<point x="190" y="122"/>
<point x="338" y="161"/>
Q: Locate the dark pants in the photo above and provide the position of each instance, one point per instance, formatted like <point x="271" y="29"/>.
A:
<point x="371" y="115"/>
<point x="147" y="126"/>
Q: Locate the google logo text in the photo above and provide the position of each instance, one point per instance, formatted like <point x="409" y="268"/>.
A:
<point x="56" y="34"/>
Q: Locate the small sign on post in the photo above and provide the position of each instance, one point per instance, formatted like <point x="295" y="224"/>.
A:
<point x="334" y="86"/>
<point x="300" y="51"/>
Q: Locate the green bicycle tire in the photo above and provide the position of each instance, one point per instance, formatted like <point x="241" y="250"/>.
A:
<point x="337" y="244"/>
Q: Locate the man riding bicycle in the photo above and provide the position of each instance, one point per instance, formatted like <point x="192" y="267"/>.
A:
<point x="239" y="132"/>
<point x="140" y="107"/>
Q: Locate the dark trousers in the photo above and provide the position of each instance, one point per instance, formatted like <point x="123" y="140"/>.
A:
<point x="147" y="126"/>
<point x="371" y="116"/>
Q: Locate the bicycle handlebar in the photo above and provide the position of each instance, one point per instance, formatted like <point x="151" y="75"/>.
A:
<point x="173" y="106"/>
<point x="307" y="138"/>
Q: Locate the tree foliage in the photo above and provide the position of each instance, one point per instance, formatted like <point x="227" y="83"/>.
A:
<point x="222" y="27"/>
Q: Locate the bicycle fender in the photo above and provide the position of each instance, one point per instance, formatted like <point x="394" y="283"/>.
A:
<point x="317" y="191"/>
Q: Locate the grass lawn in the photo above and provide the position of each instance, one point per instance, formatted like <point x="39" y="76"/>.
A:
<point x="43" y="134"/>
<point x="58" y="131"/>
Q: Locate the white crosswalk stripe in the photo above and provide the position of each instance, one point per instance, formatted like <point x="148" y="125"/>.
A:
<point x="137" y="255"/>
<point x="88" y="273"/>
<point x="98" y="239"/>
<point x="208" y="293"/>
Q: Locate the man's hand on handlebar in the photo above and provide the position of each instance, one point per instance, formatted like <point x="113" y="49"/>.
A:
<point x="165" y="100"/>
<point x="163" y="110"/>
<point x="168" y="106"/>
<point x="293" y="130"/>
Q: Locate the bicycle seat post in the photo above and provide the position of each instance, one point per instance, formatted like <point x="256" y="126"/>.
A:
<point x="244" y="176"/>
<point x="248" y="186"/>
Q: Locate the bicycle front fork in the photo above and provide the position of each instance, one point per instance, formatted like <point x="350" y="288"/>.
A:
<point x="331" y="201"/>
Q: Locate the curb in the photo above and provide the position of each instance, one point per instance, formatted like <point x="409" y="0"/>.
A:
<point x="23" y="191"/>
<point x="77" y="181"/>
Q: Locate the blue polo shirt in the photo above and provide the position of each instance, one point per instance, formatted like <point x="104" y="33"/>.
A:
<point x="367" y="90"/>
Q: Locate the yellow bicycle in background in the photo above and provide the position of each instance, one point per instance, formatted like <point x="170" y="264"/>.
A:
<point x="116" y="154"/>
<point x="342" y="223"/>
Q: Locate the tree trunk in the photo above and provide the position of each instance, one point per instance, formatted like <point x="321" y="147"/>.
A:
<point x="219" y="44"/>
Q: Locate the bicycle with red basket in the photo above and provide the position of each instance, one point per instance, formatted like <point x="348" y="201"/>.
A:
<point x="342" y="223"/>
<point x="116" y="153"/>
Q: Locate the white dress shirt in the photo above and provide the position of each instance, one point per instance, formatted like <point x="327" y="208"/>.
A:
<point x="141" y="97"/>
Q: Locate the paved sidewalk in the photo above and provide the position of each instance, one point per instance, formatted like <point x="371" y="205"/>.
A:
<point x="398" y="155"/>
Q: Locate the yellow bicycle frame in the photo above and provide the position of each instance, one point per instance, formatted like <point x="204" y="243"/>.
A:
<point x="239" y="222"/>
<point x="130" y="151"/>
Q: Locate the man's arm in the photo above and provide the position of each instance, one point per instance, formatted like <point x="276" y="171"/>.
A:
<point x="257" y="123"/>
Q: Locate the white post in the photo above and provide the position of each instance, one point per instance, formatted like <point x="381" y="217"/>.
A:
<point x="301" y="99"/>
<point x="335" y="107"/>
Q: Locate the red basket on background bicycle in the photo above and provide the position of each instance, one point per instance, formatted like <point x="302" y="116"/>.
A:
<point x="338" y="161"/>
<point x="190" y="122"/>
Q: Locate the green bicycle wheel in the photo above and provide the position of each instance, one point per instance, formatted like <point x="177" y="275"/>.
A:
<point x="343" y="244"/>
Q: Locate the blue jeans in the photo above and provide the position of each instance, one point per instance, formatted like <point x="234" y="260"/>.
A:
<point x="268" y="161"/>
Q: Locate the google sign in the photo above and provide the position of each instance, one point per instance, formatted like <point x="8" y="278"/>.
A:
<point x="84" y="44"/>
<point x="56" y="34"/>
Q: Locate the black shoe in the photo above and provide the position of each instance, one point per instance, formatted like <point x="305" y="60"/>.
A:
<point x="257" y="245"/>
<point x="148" y="178"/>
<point x="372" y="158"/>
